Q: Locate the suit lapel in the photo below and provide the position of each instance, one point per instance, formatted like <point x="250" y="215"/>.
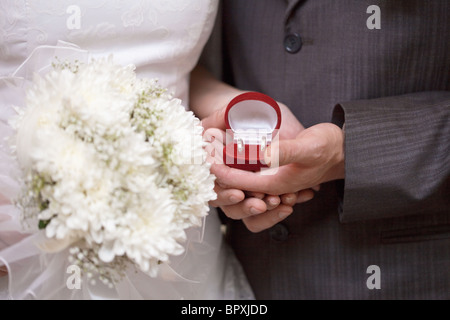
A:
<point x="291" y="5"/>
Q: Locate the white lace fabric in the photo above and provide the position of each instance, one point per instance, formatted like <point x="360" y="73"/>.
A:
<point x="163" y="39"/>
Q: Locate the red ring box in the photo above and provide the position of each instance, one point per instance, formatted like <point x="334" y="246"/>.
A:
<point x="253" y="119"/>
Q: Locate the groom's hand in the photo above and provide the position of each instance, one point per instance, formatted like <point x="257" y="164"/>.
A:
<point x="259" y="211"/>
<point x="314" y="157"/>
<point x="236" y="204"/>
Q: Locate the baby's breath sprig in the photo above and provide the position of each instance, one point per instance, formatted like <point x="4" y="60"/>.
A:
<point x="72" y="66"/>
<point x="144" y="115"/>
<point x="94" y="269"/>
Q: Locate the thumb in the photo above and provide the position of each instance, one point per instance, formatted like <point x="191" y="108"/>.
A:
<point x="282" y="152"/>
<point x="215" y="120"/>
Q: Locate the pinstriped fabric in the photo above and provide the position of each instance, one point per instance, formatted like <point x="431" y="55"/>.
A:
<point x="397" y="156"/>
<point x="391" y="86"/>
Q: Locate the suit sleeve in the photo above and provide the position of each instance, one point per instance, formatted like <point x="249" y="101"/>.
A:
<point x="397" y="153"/>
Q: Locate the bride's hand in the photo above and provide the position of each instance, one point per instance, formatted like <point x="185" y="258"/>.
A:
<point x="258" y="211"/>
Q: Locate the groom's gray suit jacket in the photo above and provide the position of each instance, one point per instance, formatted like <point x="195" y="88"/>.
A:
<point x="386" y="74"/>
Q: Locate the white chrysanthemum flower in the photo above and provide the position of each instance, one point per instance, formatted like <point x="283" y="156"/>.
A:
<point x="113" y="162"/>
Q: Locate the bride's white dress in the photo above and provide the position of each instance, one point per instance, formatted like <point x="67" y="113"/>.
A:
<point x="163" y="39"/>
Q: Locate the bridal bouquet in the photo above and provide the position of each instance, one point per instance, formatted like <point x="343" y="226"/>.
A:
<point x="112" y="167"/>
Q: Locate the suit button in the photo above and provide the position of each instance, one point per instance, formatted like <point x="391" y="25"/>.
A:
<point x="279" y="233"/>
<point x="293" y="43"/>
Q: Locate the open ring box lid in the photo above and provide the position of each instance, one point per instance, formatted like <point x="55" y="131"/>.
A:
<point x="253" y="119"/>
